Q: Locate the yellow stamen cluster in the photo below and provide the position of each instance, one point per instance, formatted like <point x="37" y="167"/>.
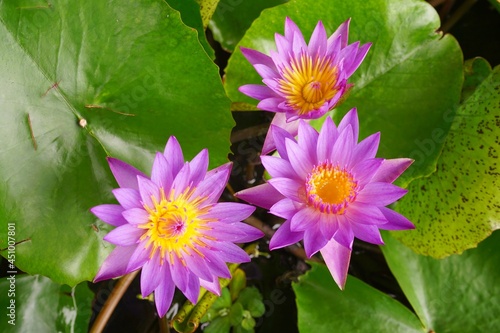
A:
<point x="308" y="83"/>
<point x="330" y="188"/>
<point x="174" y="225"/>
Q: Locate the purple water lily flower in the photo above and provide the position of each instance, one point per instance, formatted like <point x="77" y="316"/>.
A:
<point x="172" y="226"/>
<point x="330" y="189"/>
<point x="303" y="81"/>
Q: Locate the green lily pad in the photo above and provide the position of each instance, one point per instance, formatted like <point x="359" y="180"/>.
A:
<point x="191" y="16"/>
<point x="232" y="18"/>
<point x="455" y="294"/>
<point x="41" y="305"/>
<point x="360" y="308"/>
<point x="82" y="81"/>
<point x="408" y="87"/>
<point x="207" y="9"/>
<point x="475" y="70"/>
<point x="459" y="205"/>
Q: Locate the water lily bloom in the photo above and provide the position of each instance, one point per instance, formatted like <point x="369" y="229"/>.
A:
<point x="172" y="226"/>
<point x="303" y="81"/>
<point x="330" y="189"/>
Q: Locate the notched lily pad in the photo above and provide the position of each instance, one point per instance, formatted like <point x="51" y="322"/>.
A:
<point x="459" y="205"/>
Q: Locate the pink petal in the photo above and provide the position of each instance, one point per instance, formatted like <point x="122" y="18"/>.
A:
<point x="221" y="168"/>
<point x="180" y="273"/>
<point x="391" y="169"/>
<point x="270" y="104"/>
<point x="125" y="174"/>
<point x="363" y="213"/>
<point x="214" y="184"/>
<point x="299" y="159"/>
<point x="334" y="46"/>
<point x="125" y="235"/>
<point x="278" y="167"/>
<point x="313" y="240"/>
<point x="351" y="118"/>
<point x="164" y="293"/>
<point x="283" y="46"/>
<point x="367" y="233"/>
<point x="197" y="265"/>
<point x="343" y="31"/>
<point x="182" y="180"/>
<point x="308" y="139"/>
<point x="360" y="56"/>
<point x="115" y="264"/>
<point x="365" y="170"/>
<point x="280" y="134"/>
<point x="128" y="198"/>
<point x="230" y="252"/>
<point x="291" y="29"/>
<point x="136" y="216"/>
<point x="380" y="194"/>
<point x="216" y="265"/>
<point x="289" y="188"/>
<point x="150" y="275"/>
<point x="343" y="147"/>
<point x="139" y="257"/>
<point x="264" y="195"/>
<point x="193" y="288"/>
<point x="366" y="149"/>
<point x="111" y="214"/>
<point x="284" y="208"/>
<point x="229" y="212"/>
<point x="256" y="57"/>
<point x="235" y="232"/>
<point x="395" y="220"/>
<point x="148" y="190"/>
<point x="161" y="174"/>
<point x="174" y="156"/>
<point x="304" y="219"/>
<point x="337" y="259"/>
<point x="318" y="42"/>
<point x="344" y="234"/>
<point x="213" y="285"/>
<point x="326" y="139"/>
<point x="257" y="91"/>
<point x="348" y="55"/>
<point x="284" y="237"/>
<point x="328" y="225"/>
<point x="279" y="121"/>
<point x="267" y="72"/>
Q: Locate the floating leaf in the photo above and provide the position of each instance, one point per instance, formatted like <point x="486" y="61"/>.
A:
<point x="408" y="87"/>
<point x="190" y="15"/>
<point x="232" y="18"/>
<point x="475" y="70"/>
<point x="78" y="82"/>
<point x="459" y="205"/>
<point x="44" y="306"/>
<point x="207" y="9"/>
<point x="360" y="308"/>
<point x="455" y="294"/>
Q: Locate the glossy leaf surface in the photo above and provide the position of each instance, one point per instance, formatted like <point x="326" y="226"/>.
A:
<point x="459" y="205"/>
<point x="79" y="82"/>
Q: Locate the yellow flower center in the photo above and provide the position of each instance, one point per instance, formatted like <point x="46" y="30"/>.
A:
<point x="174" y="225"/>
<point x="308" y="83"/>
<point x="330" y="188"/>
